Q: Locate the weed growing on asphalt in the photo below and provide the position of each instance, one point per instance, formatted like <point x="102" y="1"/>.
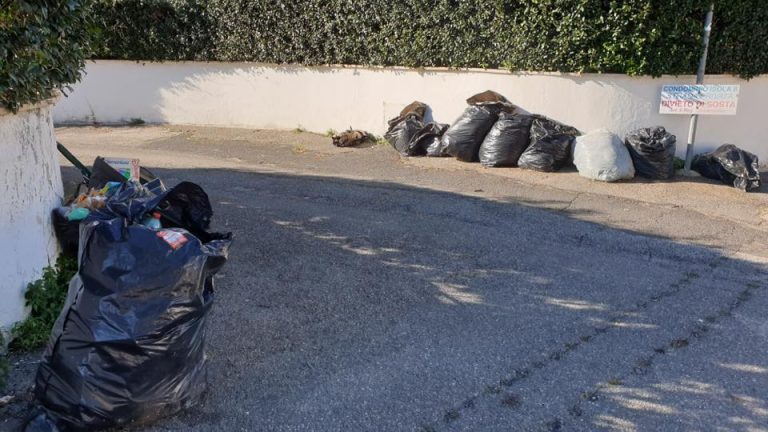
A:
<point x="45" y="298"/>
<point x="299" y="149"/>
<point x="299" y="129"/>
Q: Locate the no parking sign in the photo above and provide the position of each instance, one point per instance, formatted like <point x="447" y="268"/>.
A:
<point x="712" y="99"/>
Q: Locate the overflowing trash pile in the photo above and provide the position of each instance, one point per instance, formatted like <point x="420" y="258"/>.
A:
<point x="494" y="132"/>
<point x="128" y="346"/>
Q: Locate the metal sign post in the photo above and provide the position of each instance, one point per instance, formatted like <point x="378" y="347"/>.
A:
<point x="699" y="80"/>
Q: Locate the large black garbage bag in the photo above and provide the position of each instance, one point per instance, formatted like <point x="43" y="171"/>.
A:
<point x="463" y="139"/>
<point x="128" y="345"/>
<point x="401" y="132"/>
<point x="550" y="145"/>
<point x="506" y="141"/>
<point x="731" y="165"/>
<point x="188" y="204"/>
<point x="426" y="139"/>
<point x="431" y="139"/>
<point x="653" y="152"/>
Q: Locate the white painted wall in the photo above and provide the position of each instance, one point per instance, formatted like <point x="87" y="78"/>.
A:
<point x="30" y="187"/>
<point x="322" y="98"/>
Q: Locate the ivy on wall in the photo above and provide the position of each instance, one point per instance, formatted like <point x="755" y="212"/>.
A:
<point x="636" y="37"/>
<point x="44" y="43"/>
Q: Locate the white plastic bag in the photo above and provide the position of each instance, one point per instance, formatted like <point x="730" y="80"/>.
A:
<point x="601" y="155"/>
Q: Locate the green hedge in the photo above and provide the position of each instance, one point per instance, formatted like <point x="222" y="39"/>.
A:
<point x="43" y="47"/>
<point x="636" y="37"/>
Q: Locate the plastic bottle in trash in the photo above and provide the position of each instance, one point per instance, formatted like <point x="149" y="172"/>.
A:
<point x="153" y="222"/>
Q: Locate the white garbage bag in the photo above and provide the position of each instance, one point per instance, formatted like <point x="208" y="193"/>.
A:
<point x="601" y="155"/>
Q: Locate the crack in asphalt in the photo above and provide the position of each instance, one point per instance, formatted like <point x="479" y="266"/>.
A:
<point x="570" y="203"/>
<point x="518" y="374"/>
<point x="642" y="365"/>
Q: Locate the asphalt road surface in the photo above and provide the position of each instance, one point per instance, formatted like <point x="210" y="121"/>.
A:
<point x="367" y="305"/>
<point x="353" y="305"/>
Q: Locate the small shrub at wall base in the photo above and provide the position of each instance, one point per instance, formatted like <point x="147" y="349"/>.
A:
<point x="635" y="37"/>
<point x="45" y="298"/>
<point x="43" y="48"/>
<point x="4" y="367"/>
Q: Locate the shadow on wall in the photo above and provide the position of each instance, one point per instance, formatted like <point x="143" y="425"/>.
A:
<point x="322" y="98"/>
<point x="386" y="301"/>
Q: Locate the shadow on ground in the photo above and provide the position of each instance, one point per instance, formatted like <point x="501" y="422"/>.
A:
<point x="358" y="305"/>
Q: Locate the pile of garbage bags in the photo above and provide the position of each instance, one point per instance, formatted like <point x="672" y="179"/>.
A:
<point x="494" y="132"/>
<point x="490" y="131"/>
<point x="128" y="346"/>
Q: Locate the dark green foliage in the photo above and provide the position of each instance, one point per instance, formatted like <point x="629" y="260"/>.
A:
<point x="4" y="366"/>
<point x="43" y="47"/>
<point x="45" y="298"/>
<point x="741" y="44"/>
<point x="636" y="37"/>
<point x="155" y="30"/>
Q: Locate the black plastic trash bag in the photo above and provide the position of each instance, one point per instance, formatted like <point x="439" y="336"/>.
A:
<point x="401" y="132"/>
<point x="410" y="136"/>
<point x="653" y="152"/>
<point x="67" y="232"/>
<point x="463" y="139"/>
<point x="506" y="141"/>
<point x="431" y="139"/>
<point x="427" y="138"/>
<point x="731" y="165"/>
<point x="550" y="145"/>
<point x="187" y="206"/>
<point x="130" y="201"/>
<point x="128" y="345"/>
